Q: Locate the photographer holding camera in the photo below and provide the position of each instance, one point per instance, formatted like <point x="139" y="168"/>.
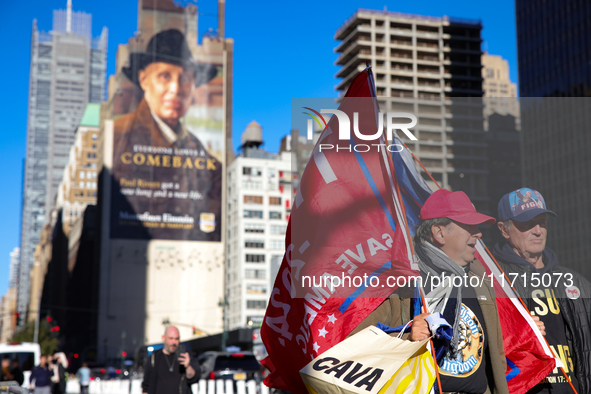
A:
<point x="170" y="369"/>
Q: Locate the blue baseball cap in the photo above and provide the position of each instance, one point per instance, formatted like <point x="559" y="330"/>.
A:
<point x="522" y="205"/>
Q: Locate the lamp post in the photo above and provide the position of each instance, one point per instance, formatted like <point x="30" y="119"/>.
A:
<point x="223" y="304"/>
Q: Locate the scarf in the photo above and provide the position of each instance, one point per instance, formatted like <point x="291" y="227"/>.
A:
<point x="433" y="261"/>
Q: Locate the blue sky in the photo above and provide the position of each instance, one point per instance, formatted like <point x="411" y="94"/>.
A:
<point x="282" y="50"/>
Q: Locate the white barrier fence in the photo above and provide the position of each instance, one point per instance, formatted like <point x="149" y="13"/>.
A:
<point x="134" y="386"/>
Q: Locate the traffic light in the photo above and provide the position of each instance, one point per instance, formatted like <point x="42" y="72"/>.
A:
<point x="53" y="326"/>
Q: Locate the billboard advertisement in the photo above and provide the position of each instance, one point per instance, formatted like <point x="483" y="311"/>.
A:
<point x="168" y="141"/>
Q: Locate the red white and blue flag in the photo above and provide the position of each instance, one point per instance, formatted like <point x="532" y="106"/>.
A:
<point x="344" y="223"/>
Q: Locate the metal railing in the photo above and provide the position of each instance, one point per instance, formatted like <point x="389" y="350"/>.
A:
<point x="134" y="386"/>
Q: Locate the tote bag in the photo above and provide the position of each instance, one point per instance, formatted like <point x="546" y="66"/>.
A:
<point x="371" y="362"/>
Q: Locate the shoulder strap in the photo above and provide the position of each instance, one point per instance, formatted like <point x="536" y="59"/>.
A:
<point x="153" y="359"/>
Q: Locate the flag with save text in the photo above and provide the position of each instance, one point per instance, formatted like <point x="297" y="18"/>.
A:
<point x="345" y="238"/>
<point x="529" y="359"/>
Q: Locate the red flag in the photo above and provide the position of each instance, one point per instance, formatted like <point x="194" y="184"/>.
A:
<point x="343" y="225"/>
<point x="529" y="359"/>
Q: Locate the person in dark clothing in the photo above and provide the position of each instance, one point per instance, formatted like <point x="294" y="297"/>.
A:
<point x="41" y="376"/>
<point x="17" y="372"/>
<point x="558" y="296"/>
<point x="168" y="372"/>
<point x="59" y="363"/>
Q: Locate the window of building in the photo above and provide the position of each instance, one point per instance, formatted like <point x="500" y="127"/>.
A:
<point x="252" y="171"/>
<point x="274" y="200"/>
<point x="81" y="174"/>
<point x="256" y="304"/>
<point x="254" y="243"/>
<point x="276" y="244"/>
<point x="255" y="258"/>
<point x="256" y="289"/>
<point x="274" y="215"/>
<point x="248" y="213"/>
<point x="252" y="185"/>
<point x="278" y="229"/>
<point x="254" y="228"/>
<point x="253" y="199"/>
<point x="254" y="274"/>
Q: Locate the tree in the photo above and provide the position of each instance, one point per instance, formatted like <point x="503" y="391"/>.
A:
<point x="47" y="342"/>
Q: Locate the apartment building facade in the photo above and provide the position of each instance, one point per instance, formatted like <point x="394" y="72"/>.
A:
<point x="259" y="205"/>
<point x="430" y="67"/>
<point x="78" y="187"/>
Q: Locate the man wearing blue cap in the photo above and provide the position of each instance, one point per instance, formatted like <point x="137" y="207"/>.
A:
<point x="557" y="295"/>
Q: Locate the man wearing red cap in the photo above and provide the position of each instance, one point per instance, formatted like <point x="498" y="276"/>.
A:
<point x="445" y="241"/>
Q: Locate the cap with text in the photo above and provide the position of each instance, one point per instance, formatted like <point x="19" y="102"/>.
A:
<point x="522" y="205"/>
<point x="455" y="206"/>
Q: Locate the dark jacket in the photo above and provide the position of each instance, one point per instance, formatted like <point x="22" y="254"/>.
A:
<point x="149" y="383"/>
<point x="18" y="375"/>
<point x="575" y="312"/>
<point x="397" y="311"/>
<point x="60" y="387"/>
<point x="183" y="177"/>
<point x="41" y="376"/>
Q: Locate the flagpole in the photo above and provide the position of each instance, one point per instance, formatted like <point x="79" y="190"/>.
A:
<point x="390" y="163"/>
<point x="500" y="269"/>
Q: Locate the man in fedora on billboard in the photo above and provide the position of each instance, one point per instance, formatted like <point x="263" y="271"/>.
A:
<point x="166" y="184"/>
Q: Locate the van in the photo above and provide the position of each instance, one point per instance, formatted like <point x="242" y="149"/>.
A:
<point x="27" y="354"/>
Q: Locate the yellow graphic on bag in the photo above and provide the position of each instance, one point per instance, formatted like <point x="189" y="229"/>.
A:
<point x="415" y="376"/>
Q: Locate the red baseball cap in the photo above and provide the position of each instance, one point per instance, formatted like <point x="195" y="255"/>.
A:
<point x="455" y="206"/>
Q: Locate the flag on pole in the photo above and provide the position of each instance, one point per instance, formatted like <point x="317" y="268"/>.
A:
<point x="529" y="359"/>
<point x="344" y="234"/>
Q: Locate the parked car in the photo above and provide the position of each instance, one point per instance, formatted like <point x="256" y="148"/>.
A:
<point x="235" y="366"/>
